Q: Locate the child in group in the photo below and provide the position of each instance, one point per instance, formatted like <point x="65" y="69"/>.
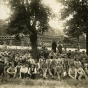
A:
<point x="11" y="71"/>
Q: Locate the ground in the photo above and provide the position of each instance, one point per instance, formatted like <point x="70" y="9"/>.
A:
<point x="40" y="83"/>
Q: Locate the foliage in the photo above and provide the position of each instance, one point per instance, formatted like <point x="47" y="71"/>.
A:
<point x="23" y="10"/>
<point x="79" y="10"/>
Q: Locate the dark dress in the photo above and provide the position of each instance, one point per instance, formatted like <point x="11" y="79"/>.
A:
<point x="60" y="49"/>
<point x="54" y="45"/>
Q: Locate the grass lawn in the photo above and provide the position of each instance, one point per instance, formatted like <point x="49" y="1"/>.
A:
<point x="40" y="83"/>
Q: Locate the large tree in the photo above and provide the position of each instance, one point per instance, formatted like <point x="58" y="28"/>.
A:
<point x="79" y="23"/>
<point x="29" y="17"/>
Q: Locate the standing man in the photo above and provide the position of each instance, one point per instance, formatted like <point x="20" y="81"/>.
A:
<point x="54" y="45"/>
<point x="60" y="49"/>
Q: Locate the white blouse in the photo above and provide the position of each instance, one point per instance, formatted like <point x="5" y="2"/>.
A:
<point x="23" y="69"/>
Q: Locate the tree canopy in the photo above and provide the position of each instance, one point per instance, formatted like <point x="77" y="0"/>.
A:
<point x="79" y="10"/>
<point x="78" y="24"/>
<point x="23" y="12"/>
<point x="29" y="17"/>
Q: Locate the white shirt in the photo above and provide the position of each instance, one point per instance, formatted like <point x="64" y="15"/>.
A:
<point x="23" y="69"/>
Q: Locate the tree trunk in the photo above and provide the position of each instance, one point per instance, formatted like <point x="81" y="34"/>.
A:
<point x="87" y="42"/>
<point x="33" y="40"/>
<point x="33" y="37"/>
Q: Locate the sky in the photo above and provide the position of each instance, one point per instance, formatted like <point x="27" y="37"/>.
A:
<point x="4" y="10"/>
<point x="55" y="23"/>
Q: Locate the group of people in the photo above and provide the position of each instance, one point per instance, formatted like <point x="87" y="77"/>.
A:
<point x="49" y="64"/>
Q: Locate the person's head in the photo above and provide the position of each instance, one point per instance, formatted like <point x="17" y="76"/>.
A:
<point x="41" y="51"/>
<point x="23" y="65"/>
<point x="31" y="57"/>
<point x="52" y="51"/>
<point x="84" y="58"/>
<point x="79" y="66"/>
<point x="72" y="66"/>
<point x="18" y="63"/>
<point x="76" y="51"/>
<point x="85" y="65"/>
<point x="44" y="60"/>
<point x="83" y="52"/>
<point x="2" y="60"/>
<point x="76" y="55"/>
<point x="46" y="50"/>
<point x="69" y="51"/>
<point x="53" y="40"/>
<point x="7" y="63"/>
<point x="42" y="57"/>
<point x="12" y="65"/>
<point x="17" y="54"/>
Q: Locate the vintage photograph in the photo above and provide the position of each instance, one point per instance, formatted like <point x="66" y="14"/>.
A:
<point x="43" y="43"/>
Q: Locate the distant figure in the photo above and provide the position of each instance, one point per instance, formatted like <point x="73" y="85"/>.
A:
<point x="60" y="49"/>
<point x="54" y="45"/>
<point x="78" y="47"/>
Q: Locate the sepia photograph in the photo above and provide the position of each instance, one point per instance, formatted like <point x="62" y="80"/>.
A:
<point x="43" y="43"/>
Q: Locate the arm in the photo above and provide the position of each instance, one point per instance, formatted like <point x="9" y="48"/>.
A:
<point x="8" y="70"/>
<point x="15" y="69"/>
<point x="29" y="71"/>
<point x="20" y="71"/>
<point x="75" y="73"/>
<point x="35" y="71"/>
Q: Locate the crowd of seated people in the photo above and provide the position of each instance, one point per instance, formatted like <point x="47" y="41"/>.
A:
<point x="20" y="64"/>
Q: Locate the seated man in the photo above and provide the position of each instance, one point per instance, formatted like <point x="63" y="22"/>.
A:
<point x="11" y="71"/>
<point x="72" y="72"/>
<point x="44" y="68"/>
<point x="23" y="71"/>
<point x="59" y="71"/>
<point x="66" y="64"/>
<point x="41" y="61"/>
<point x="86" y="68"/>
<point x="53" y="68"/>
<point x="18" y="69"/>
<point x="33" y="71"/>
<point x="80" y="73"/>
<point x="7" y="65"/>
